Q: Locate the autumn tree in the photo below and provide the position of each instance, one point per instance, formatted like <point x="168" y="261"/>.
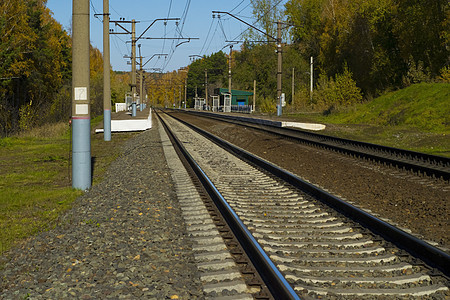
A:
<point x="16" y="44"/>
<point x="34" y="64"/>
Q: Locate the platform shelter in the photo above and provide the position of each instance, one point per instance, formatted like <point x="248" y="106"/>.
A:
<point x="237" y="97"/>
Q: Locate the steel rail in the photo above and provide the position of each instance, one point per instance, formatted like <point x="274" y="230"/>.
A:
<point x="432" y="165"/>
<point x="275" y="281"/>
<point x="418" y="248"/>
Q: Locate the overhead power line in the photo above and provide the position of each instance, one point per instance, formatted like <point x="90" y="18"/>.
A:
<point x="237" y="5"/>
<point x="254" y="23"/>
<point x="207" y="36"/>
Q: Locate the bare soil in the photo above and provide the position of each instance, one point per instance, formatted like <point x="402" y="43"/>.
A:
<point x="414" y="203"/>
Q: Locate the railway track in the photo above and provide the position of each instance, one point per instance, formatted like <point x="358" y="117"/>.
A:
<point x="314" y="250"/>
<point x="419" y="163"/>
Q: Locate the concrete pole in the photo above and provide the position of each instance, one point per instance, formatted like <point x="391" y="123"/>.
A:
<point x="141" y="81"/>
<point x="293" y="86"/>
<point x="165" y="95"/>
<point x="106" y="74"/>
<point x="206" y="88"/>
<point x="133" y="65"/>
<point x="144" y="91"/>
<point x="185" y="91"/>
<point x="254" y="95"/>
<point x="279" y="71"/>
<point x="312" y="77"/>
<point x="229" y="71"/>
<point x="81" y="118"/>
<point x="141" y="88"/>
<point x="179" y="96"/>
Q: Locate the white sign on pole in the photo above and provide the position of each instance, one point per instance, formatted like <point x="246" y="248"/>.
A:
<point x="80" y="93"/>
<point x="81" y="109"/>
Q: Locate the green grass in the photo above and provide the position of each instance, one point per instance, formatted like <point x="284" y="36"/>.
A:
<point x="35" y="184"/>
<point x="415" y="118"/>
<point x="424" y="106"/>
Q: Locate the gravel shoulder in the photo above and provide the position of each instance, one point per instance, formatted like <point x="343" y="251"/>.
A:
<point x="125" y="238"/>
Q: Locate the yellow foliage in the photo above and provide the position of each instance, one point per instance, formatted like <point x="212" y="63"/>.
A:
<point x="445" y="75"/>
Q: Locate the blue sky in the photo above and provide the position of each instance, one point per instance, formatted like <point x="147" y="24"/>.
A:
<point x="197" y="21"/>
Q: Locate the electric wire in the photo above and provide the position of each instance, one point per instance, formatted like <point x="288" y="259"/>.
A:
<point x="244" y="8"/>
<point x="115" y="11"/>
<point x="212" y="37"/>
<point x="92" y="6"/>
<point x="207" y="36"/>
<point x="223" y="30"/>
<point x="248" y="28"/>
<point x="95" y="11"/>
<point x="237" y="6"/>
<point x="184" y="15"/>
<point x="165" y="26"/>
<point x="179" y="34"/>
<point x="179" y="30"/>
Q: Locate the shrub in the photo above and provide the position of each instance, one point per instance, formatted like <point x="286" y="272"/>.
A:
<point x="266" y="105"/>
<point x="445" y="75"/>
<point x="340" y="91"/>
<point x="416" y="73"/>
<point x="26" y="117"/>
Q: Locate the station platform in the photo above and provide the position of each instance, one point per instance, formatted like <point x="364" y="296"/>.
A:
<point x="266" y="120"/>
<point x="123" y="121"/>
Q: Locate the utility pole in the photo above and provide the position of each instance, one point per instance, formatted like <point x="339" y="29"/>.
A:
<point x="81" y="118"/>
<point x="165" y="95"/>
<point x="279" y="71"/>
<point x="312" y="77"/>
<point x="293" y="86"/>
<point x="185" y="92"/>
<point x="141" y="80"/>
<point x="106" y="74"/>
<point x="174" y="98"/>
<point x="229" y="70"/>
<point x="133" y="66"/>
<point x="254" y="95"/>
<point x="179" y="94"/>
<point x="206" y="88"/>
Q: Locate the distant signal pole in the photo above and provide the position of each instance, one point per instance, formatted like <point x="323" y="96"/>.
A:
<point x="81" y="119"/>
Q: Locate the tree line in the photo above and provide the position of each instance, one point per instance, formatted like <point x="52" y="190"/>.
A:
<point x="361" y="49"/>
<point x="36" y="68"/>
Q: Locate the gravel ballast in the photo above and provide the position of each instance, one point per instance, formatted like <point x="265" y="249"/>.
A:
<point x="416" y="204"/>
<point x="124" y="238"/>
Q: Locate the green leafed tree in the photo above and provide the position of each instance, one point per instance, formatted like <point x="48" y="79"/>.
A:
<point x="266" y="13"/>
<point x="381" y="40"/>
<point x="216" y="67"/>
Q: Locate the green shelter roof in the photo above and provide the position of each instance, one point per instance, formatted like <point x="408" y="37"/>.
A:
<point x="224" y="91"/>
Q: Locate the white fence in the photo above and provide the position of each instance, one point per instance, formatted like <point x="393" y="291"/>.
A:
<point x="246" y="109"/>
<point x="121" y="107"/>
